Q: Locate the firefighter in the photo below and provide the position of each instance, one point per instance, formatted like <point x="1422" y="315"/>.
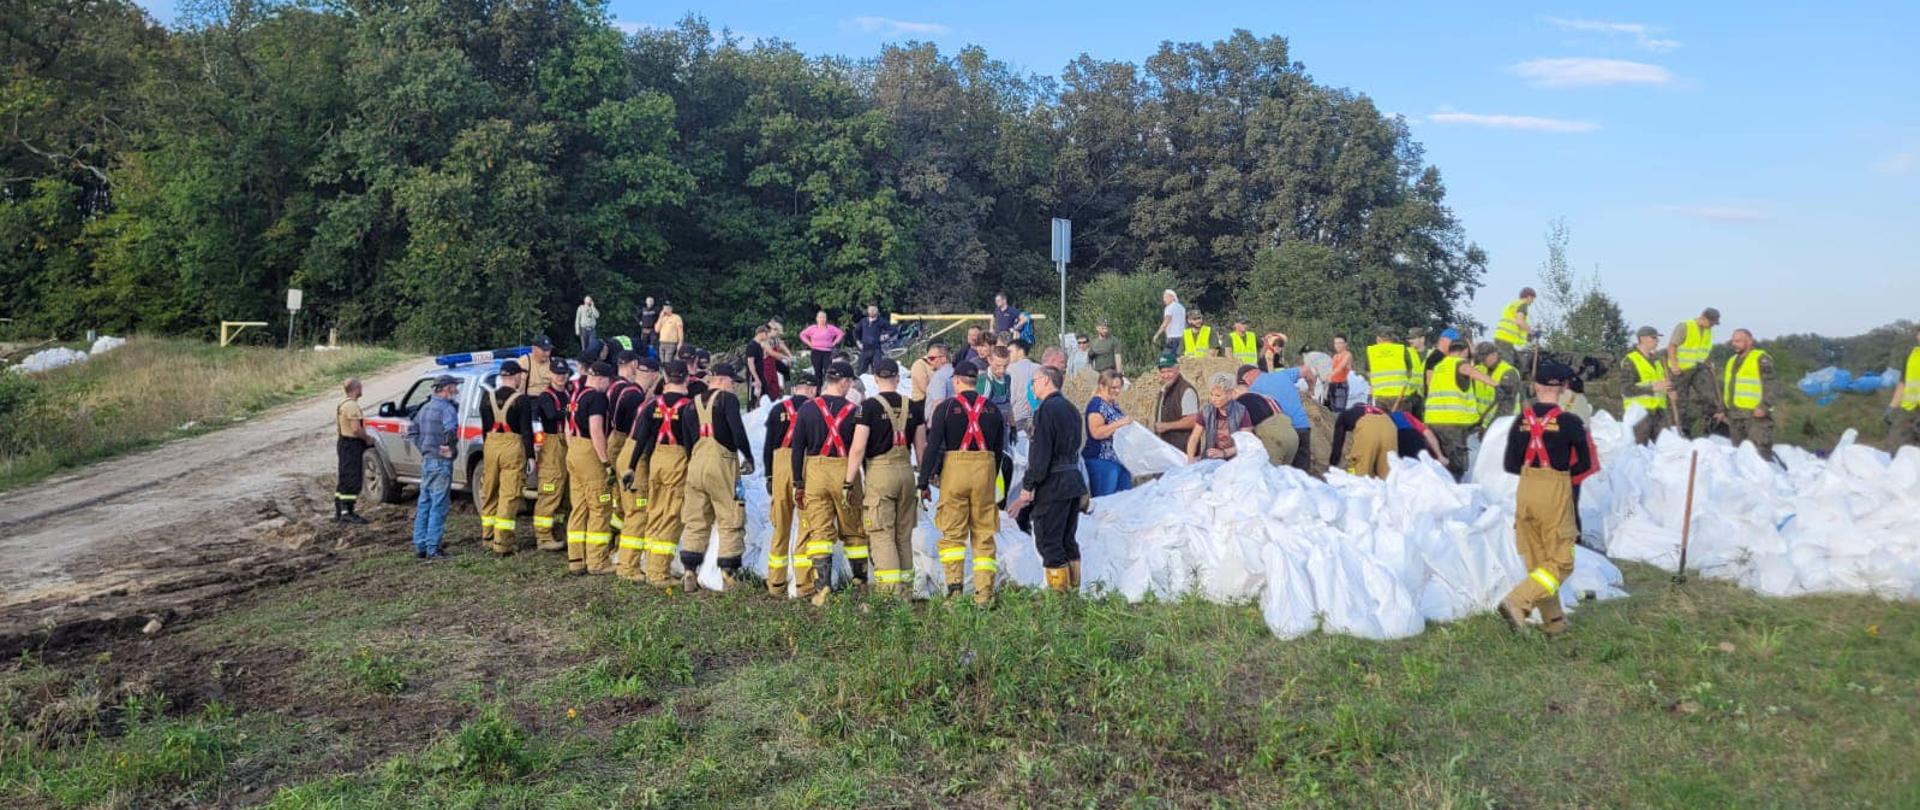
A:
<point x="664" y="455"/>
<point x="1550" y="450"/>
<point x="966" y="454"/>
<point x="350" y="450"/>
<point x="552" y="407"/>
<point x="826" y="479"/>
<point x="540" y="365"/>
<point x="506" y="417"/>
<point x="589" y="471"/>
<point x="776" y="453"/>
<point x="721" y="454"/>
<point x="893" y="505"/>
<point x="644" y="374"/>
<point x="622" y="389"/>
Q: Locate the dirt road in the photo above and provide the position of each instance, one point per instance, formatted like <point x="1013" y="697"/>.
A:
<point x="124" y="540"/>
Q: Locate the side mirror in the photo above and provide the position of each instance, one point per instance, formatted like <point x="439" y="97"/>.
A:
<point x="387" y="410"/>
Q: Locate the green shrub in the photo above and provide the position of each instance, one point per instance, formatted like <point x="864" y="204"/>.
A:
<point x="1131" y="304"/>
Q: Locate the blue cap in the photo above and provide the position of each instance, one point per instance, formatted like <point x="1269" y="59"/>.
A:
<point x="1451" y="334"/>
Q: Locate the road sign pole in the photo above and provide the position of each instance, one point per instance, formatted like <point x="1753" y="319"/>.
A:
<point x="1062" y="251"/>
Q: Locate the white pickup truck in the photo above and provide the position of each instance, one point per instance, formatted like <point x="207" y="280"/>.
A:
<point x="393" y="462"/>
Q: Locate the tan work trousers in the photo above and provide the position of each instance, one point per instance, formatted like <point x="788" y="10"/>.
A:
<point x="503" y="476"/>
<point x="780" y="552"/>
<point x="1278" y="436"/>
<point x="666" y="488"/>
<point x="552" y="470"/>
<point x="589" y="532"/>
<point x="1371" y="444"/>
<point x="631" y="563"/>
<point x="968" y="516"/>
<point x="893" y="509"/>
<point x="1544" y="530"/>
<point x="832" y="513"/>
<point x="709" y="504"/>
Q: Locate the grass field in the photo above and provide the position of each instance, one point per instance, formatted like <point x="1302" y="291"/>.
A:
<point x="385" y="682"/>
<point x="152" y="390"/>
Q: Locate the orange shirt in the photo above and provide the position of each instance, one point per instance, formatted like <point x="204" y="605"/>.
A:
<point x="1342" y="363"/>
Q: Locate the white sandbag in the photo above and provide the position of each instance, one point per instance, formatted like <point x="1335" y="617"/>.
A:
<point x="49" y="359"/>
<point x="1143" y="453"/>
<point x="104" y="344"/>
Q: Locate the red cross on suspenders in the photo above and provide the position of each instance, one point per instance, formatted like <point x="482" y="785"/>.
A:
<point x="793" y="420"/>
<point x="668" y="415"/>
<point x="1536" y="431"/>
<point x="834" y="446"/>
<point x="974" y="439"/>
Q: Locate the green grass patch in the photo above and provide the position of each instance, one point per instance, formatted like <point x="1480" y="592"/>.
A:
<point x="153" y="390"/>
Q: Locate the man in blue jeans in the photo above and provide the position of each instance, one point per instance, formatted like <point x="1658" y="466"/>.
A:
<point x="433" y="432"/>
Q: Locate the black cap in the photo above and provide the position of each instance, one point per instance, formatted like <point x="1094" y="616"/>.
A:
<point x="967" y="369"/>
<point x="542" y="342"/>
<point x="559" y="368"/>
<point x="674" y="369"/>
<point x="510" y="368"/>
<point x="840" y="370"/>
<point x="624" y="358"/>
<point x="1241" y="375"/>
<point x="1647" y="331"/>
<point x="1553" y="372"/>
<point x="445" y="380"/>
<point x="601" y="369"/>
<point x="1711" y="314"/>
<point x="649" y="364"/>
<point x="886" y="368"/>
<point x="730" y="371"/>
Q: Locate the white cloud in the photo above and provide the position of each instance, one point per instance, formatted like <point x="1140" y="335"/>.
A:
<point x="1739" y="214"/>
<point x="1589" y="72"/>
<point x="629" y="27"/>
<point x="1899" y="163"/>
<point x="1524" y="123"/>
<point x="892" y="27"/>
<point x="1643" y="34"/>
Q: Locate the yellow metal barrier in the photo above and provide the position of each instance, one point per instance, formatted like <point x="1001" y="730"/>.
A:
<point x="227" y="336"/>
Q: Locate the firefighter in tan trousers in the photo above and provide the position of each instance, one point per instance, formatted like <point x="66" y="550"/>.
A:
<point x="589" y="474"/>
<point x="1551" y="451"/>
<point x="643" y="376"/>
<point x="552" y="407"/>
<point x="663" y="453"/>
<point x="776" y="456"/>
<point x="721" y="454"/>
<point x="892" y="499"/>
<point x="828" y="444"/>
<point x="506" y="417"/>
<point x="620" y="391"/>
<point x="966" y="455"/>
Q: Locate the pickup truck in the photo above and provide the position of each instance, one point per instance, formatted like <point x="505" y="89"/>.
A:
<point x="392" y="462"/>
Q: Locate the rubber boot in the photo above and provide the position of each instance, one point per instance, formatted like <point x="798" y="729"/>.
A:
<point x="1553" y="618"/>
<point x="983" y="588"/>
<point x="1515" y="617"/>
<point x="657" y="574"/>
<point x="953" y="589"/>
<point x="1073" y="575"/>
<point x="1058" y="579"/>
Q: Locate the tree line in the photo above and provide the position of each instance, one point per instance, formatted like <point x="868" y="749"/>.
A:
<point x="458" y="173"/>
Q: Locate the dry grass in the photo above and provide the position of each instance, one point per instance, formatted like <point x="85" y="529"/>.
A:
<point x="151" y="390"/>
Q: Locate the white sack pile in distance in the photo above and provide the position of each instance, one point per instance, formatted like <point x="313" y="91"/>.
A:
<point x="1807" y="525"/>
<point x="60" y="356"/>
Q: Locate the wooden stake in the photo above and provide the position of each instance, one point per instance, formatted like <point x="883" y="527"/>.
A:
<point x="1686" y="525"/>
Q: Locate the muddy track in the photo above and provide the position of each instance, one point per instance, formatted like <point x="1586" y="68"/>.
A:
<point x="179" y="529"/>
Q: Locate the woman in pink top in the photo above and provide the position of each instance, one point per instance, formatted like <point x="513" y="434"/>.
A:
<point x="822" y="338"/>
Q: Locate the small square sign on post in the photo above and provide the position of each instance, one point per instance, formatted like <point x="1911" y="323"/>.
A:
<point x="293" y="311"/>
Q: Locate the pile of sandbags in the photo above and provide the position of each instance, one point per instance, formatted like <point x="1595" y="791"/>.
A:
<point x="61" y="357"/>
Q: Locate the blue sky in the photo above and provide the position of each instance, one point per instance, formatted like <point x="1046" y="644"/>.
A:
<point x="1763" y="158"/>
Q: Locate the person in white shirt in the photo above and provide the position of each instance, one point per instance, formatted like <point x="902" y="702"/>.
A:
<point x="1172" y="319"/>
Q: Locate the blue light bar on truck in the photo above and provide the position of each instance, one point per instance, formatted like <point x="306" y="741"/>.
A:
<point x="465" y="358"/>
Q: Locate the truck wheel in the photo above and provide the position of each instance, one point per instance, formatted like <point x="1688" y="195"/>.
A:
<point x="376" y="483"/>
<point x="474" y="474"/>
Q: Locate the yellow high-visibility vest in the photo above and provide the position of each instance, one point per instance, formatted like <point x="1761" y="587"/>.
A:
<point x="1508" y="330"/>
<point x="1387" y="370"/>
<point x="1245" y="350"/>
<point x="1198" y="343"/>
<point x="1696" y="346"/>
<point x="1484" y="394"/>
<point x="1741" y="384"/>
<point x="1910" y="382"/>
<point x="1650" y="372"/>
<point x="1447" y="402"/>
<point x="1416" y="371"/>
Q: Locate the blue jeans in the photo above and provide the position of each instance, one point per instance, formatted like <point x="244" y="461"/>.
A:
<point x="1107" y="477"/>
<point x="430" y="515"/>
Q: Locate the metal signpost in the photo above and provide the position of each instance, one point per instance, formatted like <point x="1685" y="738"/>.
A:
<point x="293" y="311"/>
<point x="1062" y="250"/>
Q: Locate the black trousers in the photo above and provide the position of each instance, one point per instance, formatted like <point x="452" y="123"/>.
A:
<point x="1055" y="522"/>
<point x="350" y="451"/>
<point x="821" y="357"/>
<point x="1303" y="457"/>
<point x="1337" y="397"/>
<point x="868" y="354"/>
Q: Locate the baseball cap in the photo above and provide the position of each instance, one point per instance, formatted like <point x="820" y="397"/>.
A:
<point x="1553" y="372"/>
<point x="1711" y="314"/>
<point x="559" y="368"/>
<point x="649" y="364"/>
<point x="886" y="368"/>
<point x="1484" y="348"/>
<point x="623" y="358"/>
<point x="510" y="368"/>
<point x="675" y="369"/>
<point x="1168" y="362"/>
<point x="542" y="342"/>
<point x="1241" y="375"/>
<point x="731" y="371"/>
<point x="839" y="370"/>
<point x="601" y="369"/>
<point x="445" y="380"/>
<point x="1450" y="333"/>
<point x="1647" y="331"/>
<point x="967" y="370"/>
<point x="1383" y="331"/>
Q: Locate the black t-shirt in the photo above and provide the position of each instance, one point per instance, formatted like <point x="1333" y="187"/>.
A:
<point x="551" y="408"/>
<point x="648" y="317"/>
<point x="647" y="429"/>
<point x="588" y="404"/>
<point x="626" y="406"/>
<point x="947" y="430"/>
<point x="778" y="423"/>
<point x="755" y="353"/>
<point x="811" y="438"/>
<point x="1569" y="447"/>
<point x="1259" y="408"/>
<point x="880" y="438"/>
<point x="727" y="428"/>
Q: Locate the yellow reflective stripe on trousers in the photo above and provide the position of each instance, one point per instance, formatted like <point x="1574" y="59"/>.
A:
<point x="985" y="564"/>
<point x="884" y="577"/>
<point x="803" y="562"/>
<point x="633" y="543"/>
<point x="503" y="524"/>
<point x="576" y="537"/>
<point x="656" y="546"/>
<point x="616" y="522"/>
<point x="820" y="548"/>
<point x="543" y="521"/>
<point x="856" y="552"/>
<point x="777" y="562"/>
<point x="599" y="538"/>
<point x="1546" y="580"/>
<point x="954" y="554"/>
<point x="345" y="497"/>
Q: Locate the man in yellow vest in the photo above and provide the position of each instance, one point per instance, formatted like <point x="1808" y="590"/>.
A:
<point x="1198" y="340"/>
<point x="1696" y="393"/>
<point x="1452" y="411"/>
<point x="1417" y="364"/>
<point x="1503" y="396"/>
<point x="1904" y="428"/>
<point x="1390" y="371"/>
<point x="1514" y="330"/>
<point x="1747" y="390"/>
<point x="1648" y="388"/>
<point x="1243" y="343"/>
